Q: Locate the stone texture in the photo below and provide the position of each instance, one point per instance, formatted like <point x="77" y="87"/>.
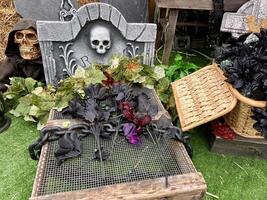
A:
<point x="105" y="12"/>
<point x="83" y="16"/>
<point x="237" y="23"/>
<point x="93" y="11"/>
<point x="71" y="44"/>
<point x="41" y="9"/>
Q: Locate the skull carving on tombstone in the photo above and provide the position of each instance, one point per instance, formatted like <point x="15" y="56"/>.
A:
<point x="27" y="41"/>
<point x="100" y="39"/>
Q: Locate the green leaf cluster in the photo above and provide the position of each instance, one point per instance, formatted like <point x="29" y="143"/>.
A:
<point x="132" y="71"/>
<point x="31" y="100"/>
<point x="180" y="68"/>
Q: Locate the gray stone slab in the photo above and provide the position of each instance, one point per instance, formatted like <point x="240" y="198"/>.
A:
<point x="134" y="11"/>
<point x="44" y="9"/>
<point x="105" y="12"/>
<point x="94" y="35"/>
<point x="93" y="11"/>
<point x="236" y="23"/>
<point x="83" y="16"/>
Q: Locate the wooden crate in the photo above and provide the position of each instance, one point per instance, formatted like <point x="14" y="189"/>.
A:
<point x="240" y="146"/>
<point x="183" y="186"/>
<point x="146" y="181"/>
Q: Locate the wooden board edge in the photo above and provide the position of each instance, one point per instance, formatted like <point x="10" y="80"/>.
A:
<point x="229" y="5"/>
<point x="190" y="185"/>
<point x="40" y="170"/>
<point x="240" y="146"/>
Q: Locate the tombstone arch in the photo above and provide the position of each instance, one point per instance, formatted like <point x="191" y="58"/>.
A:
<point x="66" y="45"/>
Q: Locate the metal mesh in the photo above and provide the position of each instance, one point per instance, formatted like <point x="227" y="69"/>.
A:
<point x="127" y="163"/>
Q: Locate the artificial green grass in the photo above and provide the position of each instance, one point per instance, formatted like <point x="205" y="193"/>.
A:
<point x="17" y="170"/>
<point x="224" y="178"/>
<point x="229" y="177"/>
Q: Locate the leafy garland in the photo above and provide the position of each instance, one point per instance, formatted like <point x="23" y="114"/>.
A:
<point x="33" y="101"/>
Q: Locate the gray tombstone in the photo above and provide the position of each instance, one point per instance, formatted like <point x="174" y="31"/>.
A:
<point x="135" y="11"/>
<point x="236" y="23"/>
<point x="94" y="35"/>
<point x="52" y="10"/>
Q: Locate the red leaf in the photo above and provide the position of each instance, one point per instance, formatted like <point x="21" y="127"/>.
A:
<point x="109" y="81"/>
<point x="144" y="121"/>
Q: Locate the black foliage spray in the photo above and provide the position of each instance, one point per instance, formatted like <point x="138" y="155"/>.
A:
<point x="244" y="62"/>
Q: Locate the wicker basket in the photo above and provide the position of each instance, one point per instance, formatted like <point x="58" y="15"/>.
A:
<point x="202" y="97"/>
<point x="239" y="119"/>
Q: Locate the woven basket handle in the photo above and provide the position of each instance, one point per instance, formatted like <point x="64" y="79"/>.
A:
<point x="251" y="102"/>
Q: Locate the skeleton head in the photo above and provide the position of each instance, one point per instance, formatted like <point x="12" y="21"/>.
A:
<point x="28" y="44"/>
<point x="100" y="39"/>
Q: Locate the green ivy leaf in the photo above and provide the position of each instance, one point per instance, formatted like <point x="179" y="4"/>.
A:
<point x="30" y="84"/>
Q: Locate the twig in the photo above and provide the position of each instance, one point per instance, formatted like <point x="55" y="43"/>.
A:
<point x="12" y="15"/>
<point x="212" y="195"/>
<point x="202" y="54"/>
<point x="150" y="134"/>
<point x="187" y="54"/>
<point x="116" y="134"/>
<point x="240" y="167"/>
<point x="157" y="53"/>
<point x="97" y="138"/>
<point x="221" y="178"/>
<point x="162" y="159"/>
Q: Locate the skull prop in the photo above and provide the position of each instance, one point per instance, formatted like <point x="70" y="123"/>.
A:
<point x="28" y="44"/>
<point x="100" y="39"/>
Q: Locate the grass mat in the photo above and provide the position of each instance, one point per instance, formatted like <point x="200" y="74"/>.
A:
<point x="229" y="177"/>
<point x="17" y="170"/>
<point x="222" y="174"/>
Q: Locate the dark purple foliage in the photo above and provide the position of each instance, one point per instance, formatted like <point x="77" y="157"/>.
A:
<point x="260" y="116"/>
<point x="245" y="66"/>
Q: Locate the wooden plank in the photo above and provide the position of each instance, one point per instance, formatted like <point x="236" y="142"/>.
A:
<point x="182" y="187"/>
<point x="240" y="146"/>
<point x="169" y="36"/>
<point x="233" y="5"/>
<point x="151" y="10"/>
<point x="186" y="4"/>
<point x="229" y="5"/>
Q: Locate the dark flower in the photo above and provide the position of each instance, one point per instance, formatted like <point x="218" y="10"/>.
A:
<point x="130" y="133"/>
<point x="96" y="91"/>
<point x="245" y="67"/>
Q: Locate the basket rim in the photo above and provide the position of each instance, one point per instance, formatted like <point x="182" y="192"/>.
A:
<point x="246" y="100"/>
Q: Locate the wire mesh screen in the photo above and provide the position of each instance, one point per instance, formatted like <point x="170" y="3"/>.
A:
<point x="127" y="163"/>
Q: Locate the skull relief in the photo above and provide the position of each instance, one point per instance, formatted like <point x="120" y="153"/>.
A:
<point x="28" y="44"/>
<point x="100" y="39"/>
